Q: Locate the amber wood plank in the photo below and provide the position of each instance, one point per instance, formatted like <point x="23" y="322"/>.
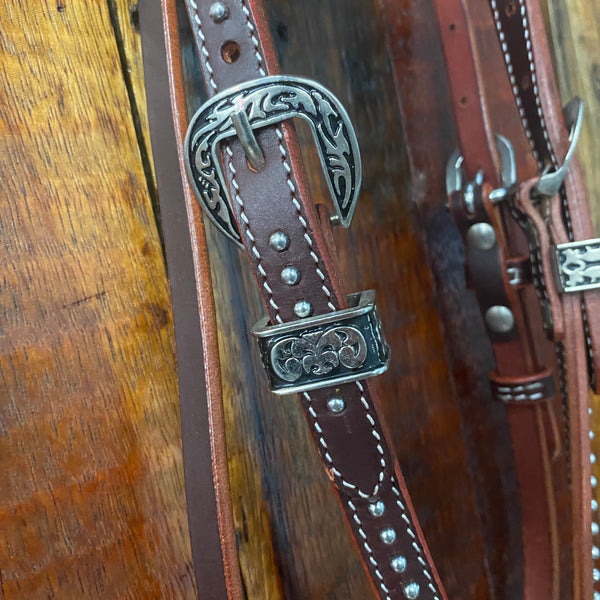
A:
<point x="92" y="502"/>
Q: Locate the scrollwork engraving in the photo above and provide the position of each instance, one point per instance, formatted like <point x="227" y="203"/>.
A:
<point x="318" y="353"/>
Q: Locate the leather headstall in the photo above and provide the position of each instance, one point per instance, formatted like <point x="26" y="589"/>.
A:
<point x="239" y="157"/>
<point x="521" y="209"/>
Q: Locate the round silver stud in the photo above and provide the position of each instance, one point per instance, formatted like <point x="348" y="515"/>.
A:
<point x="595" y="528"/>
<point x="411" y="590"/>
<point x="596" y="595"/>
<point x="596" y="575"/>
<point x="387" y="536"/>
<point x="594" y="505"/>
<point x="218" y="12"/>
<point x="591" y="435"/>
<point x="481" y="236"/>
<point x="279" y="241"/>
<point x="592" y="458"/>
<point x="302" y="308"/>
<point x="595" y="552"/>
<point x="593" y="481"/>
<point x="336" y="404"/>
<point x="499" y="319"/>
<point x="290" y="275"/>
<point x="398" y="563"/>
<point x="377" y="508"/>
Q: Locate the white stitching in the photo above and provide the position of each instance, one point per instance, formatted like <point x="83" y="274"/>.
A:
<point x="372" y="559"/>
<point x="414" y="544"/>
<point x="255" y="251"/>
<point x="513" y="81"/>
<point x="328" y="458"/>
<point x="203" y="45"/>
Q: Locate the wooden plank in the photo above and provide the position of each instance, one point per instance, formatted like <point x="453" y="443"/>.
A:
<point x="92" y="490"/>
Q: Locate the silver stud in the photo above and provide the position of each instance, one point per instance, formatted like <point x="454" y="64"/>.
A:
<point x="596" y="595"/>
<point x="591" y="435"/>
<point x="279" y="241"/>
<point x="594" y="505"/>
<point x="399" y="563"/>
<point x="218" y="12"/>
<point x="302" y="308"/>
<point x="595" y="552"/>
<point x="336" y="404"/>
<point x="499" y="319"/>
<point x="481" y="236"/>
<point x="593" y="481"/>
<point x="595" y="529"/>
<point x="411" y="590"/>
<point x="387" y="536"/>
<point x="290" y="275"/>
<point x="592" y="458"/>
<point x="596" y="575"/>
<point x="377" y="508"/>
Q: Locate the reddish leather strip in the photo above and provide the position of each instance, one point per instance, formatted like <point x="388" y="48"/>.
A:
<point x="353" y="445"/>
<point x="528" y="352"/>
<point x="209" y="508"/>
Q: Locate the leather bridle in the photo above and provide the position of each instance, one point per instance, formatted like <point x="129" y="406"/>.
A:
<point x="538" y="335"/>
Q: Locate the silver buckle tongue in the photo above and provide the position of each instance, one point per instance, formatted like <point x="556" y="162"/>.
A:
<point x="259" y="103"/>
<point x="455" y="176"/>
<point x="324" y="350"/>
<point x="550" y="183"/>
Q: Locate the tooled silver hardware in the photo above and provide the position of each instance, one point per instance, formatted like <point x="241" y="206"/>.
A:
<point x="455" y="175"/>
<point x="577" y="265"/>
<point x="324" y="350"/>
<point x="259" y="103"/>
<point x="550" y="183"/>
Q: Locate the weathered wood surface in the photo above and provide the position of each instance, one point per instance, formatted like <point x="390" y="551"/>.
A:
<point x="92" y="502"/>
<point x="92" y="499"/>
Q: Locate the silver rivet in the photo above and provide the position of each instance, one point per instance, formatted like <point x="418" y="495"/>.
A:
<point x="481" y="236"/>
<point x="279" y="241"/>
<point x="596" y="575"/>
<point x="596" y="595"/>
<point x="218" y="12"/>
<point x="377" y="508"/>
<point x="594" y="505"/>
<point x="591" y="435"/>
<point x="336" y="404"/>
<point x="302" y="308"/>
<point x="592" y="458"/>
<point x="411" y="590"/>
<point x="595" y="552"/>
<point x="387" y="536"/>
<point x="499" y="319"/>
<point x="593" y="481"/>
<point x="290" y="275"/>
<point x="399" y="563"/>
<point x="595" y="528"/>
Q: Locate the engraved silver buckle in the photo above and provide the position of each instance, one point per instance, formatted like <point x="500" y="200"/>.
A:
<point x="455" y="176"/>
<point x="324" y="350"/>
<point x="259" y="103"/>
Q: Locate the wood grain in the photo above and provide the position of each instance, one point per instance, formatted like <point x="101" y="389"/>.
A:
<point x="91" y="487"/>
<point x="92" y="492"/>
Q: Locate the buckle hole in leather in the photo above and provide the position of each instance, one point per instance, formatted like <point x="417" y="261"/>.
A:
<point x="453" y="27"/>
<point x="230" y="51"/>
<point x="463" y="101"/>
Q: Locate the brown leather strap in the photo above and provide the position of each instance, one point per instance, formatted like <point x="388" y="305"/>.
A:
<point x="209" y="508"/>
<point x="525" y="351"/>
<point x="353" y="444"/>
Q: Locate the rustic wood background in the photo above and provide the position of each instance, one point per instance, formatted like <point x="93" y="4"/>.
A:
<point x="91" y="481"/>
